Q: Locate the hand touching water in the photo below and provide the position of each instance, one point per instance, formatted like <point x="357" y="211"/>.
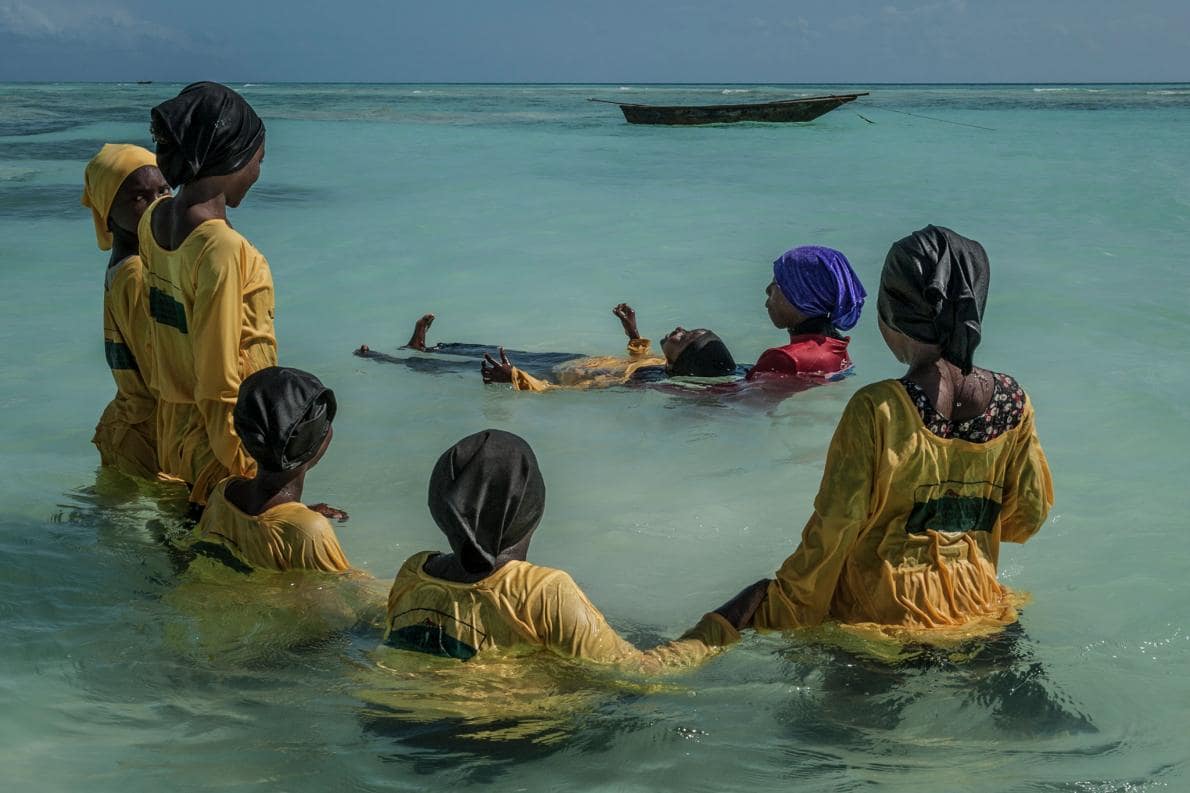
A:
<point x="496" y="372"/>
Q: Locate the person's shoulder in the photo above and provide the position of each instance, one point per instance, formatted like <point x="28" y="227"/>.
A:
<point x="878" y="393"/>
<point x="298" y="519"/>
<point x="218" y="239"/>
<point x="413" y="566"/>
<point x="527" y="577"/>
<point x="126" y="276"/>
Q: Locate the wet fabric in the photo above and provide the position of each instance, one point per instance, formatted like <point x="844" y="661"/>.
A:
<point x="282" y="416"/>
<point x="706" y="356"/>
<point x="126" y="435"/>
<point x="285" y="537"/>
<point x="526" y="606"/>
<point x="819" y="282"/>
<point x="906" y="530"/>
<point x="486" y="494"/>
<point x="933" y="288"/>
<point x="104" y="175"/>
<point x="211" y="301"/>
<point x="206" y="130"/>
<point x="601" y="371"/>
<point x="808" y="355"/>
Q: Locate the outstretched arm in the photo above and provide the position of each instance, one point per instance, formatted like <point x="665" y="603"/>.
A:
<point x="637" y="347"/>
<point x="627" y="317"/>
<point x="503" y="371"/>
<point x="418" y="340"/>
<point x="740" y="610"/>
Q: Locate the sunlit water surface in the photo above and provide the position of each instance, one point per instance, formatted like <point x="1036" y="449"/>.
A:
<point x="520" y="215"/>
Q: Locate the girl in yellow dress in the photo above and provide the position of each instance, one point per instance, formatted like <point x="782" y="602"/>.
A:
<point x="487" y="496"/>
<point x="120" y="182"/>
<point x="210" y="291"/>
<point x="926" y="475"/>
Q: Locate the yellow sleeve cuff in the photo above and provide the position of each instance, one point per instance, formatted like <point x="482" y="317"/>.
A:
<point x="525" y="382"/>
<point x="713" y="630"/>
<point x="638" y="348"/>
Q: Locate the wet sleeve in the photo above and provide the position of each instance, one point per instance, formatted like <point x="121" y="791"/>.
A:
<point x="639" y="348"/>
<point x="313" y="545"/>
<point x="570" y="625"/>
<point x="522" y="381"/>
<point x="1028" y="485"/>
<point x="215" y="325"/>
<point x="801" y="593"/>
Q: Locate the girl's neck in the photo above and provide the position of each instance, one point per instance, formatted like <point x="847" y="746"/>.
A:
<point x="957" y="397"/>
<point x="817" y="326"/>
<point x="267" y="490"/>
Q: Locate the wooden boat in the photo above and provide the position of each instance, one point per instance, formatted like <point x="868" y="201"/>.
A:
<point x="780" y="111"/>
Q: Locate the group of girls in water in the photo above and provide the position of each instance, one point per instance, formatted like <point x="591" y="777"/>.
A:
<point x="924" y="478"/>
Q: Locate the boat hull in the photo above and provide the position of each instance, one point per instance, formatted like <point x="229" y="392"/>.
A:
<point x="771" y="112"/>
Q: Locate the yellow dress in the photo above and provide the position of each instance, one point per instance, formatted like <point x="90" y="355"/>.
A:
<point x="126" y="435"/>
<point x="286" y="537"/>
<point x="603" y="371"/>
<point x="211" y="301"/>
<point x="523" y="605"/>
<point x="906" y="531"/>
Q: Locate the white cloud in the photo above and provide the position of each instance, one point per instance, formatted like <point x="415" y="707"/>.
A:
<point x="76" y="21"/>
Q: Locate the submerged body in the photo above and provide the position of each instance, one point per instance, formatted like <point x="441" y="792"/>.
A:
<point x="119" y="183"/>
<point x="126" y="434"/>
<point x="211" y="300"/>
<point x="598" y="371"/>
<point x="907" y="525"/>
<point x="285" y="537"/>
<point x="525" y="606"/>
<point x="808" y="359"/>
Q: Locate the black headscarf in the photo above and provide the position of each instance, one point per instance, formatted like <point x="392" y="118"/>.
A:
<point x="933" y="289"/>
<point x="486" y="494"/>
<point x="206" y="130"/>
<point x="282" y="416"/>
<point x="706" y="356"/>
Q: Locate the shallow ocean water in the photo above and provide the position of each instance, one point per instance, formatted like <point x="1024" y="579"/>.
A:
<point x="520" y="215"/>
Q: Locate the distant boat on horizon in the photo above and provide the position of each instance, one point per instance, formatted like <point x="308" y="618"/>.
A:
<point x="144" y="82"/>
<point x="779" y="111"/>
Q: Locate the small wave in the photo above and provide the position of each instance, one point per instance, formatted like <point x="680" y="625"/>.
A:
<point x="736" y="91"/>
<point x="1052" y="90"/>
<point x="1169" y="92"/>
<point x="251" y="85"/>
<point x="626" y="88"/>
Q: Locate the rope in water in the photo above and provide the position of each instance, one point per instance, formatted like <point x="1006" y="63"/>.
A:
<point x="928" y="118"/>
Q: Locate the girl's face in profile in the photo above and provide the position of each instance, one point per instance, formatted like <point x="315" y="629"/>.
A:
<point x="140" y="188"/>
<point x="245" y="178"/>
<point x="906" y="350"/>
<point x="781" y="312"/>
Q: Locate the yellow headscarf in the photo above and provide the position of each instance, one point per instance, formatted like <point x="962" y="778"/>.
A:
<point x="105" y="173"/>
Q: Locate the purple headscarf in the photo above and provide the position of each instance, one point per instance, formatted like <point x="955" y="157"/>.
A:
<point x="819" y="282"/>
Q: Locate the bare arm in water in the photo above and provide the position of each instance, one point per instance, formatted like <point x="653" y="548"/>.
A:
<point x="418" y="340"/>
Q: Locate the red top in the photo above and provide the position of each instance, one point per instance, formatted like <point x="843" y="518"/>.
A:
<point x="807" y="355"/>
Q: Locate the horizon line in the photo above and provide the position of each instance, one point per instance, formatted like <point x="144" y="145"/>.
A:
<point x="582" y="83"/>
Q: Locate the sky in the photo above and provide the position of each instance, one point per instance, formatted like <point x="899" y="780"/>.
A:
<point x="616" y="41"/>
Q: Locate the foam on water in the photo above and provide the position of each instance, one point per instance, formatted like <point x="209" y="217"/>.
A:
<point x="520" y="215"/>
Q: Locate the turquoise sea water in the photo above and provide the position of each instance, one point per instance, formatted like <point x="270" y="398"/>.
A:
<point x="520" y="215"/>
